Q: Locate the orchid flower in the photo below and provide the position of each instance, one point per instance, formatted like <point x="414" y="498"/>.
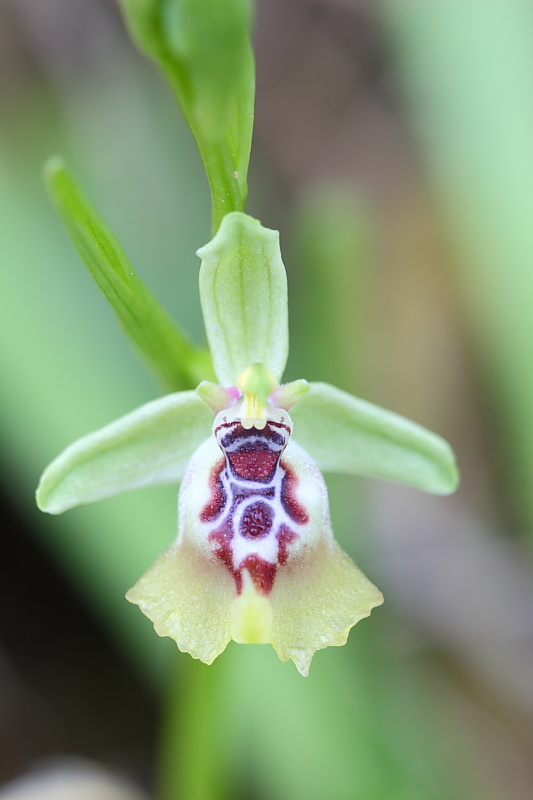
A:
<point x="255" y="559"/>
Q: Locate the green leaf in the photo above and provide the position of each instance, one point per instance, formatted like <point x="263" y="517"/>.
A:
<point x="179" y="364"/>
<point x="345" y="434"/>
<point x="204" y="50"/>
<point x="243" y="289"/>
<point x="151" y="446"/>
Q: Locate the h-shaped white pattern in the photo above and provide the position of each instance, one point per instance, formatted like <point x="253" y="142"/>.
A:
<point x="252" y="514"/>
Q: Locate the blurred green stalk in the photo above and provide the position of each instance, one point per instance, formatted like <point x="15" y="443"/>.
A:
<point x="198" y="722"/>
<point x="204" y="51"/>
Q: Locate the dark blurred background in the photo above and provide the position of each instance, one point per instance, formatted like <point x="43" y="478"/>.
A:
<point x="393" y="149"/>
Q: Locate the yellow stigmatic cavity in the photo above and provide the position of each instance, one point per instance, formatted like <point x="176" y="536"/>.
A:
<point x="257" y="380"/>
<point x="256" y="383"/>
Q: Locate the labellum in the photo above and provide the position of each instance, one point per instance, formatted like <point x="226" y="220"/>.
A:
<point x="255" y="559"/>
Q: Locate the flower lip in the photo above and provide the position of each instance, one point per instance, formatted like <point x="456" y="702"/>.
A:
<point x="290" y="585"/>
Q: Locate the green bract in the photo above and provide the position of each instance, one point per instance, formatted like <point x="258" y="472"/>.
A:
<point x="255" y="559"/>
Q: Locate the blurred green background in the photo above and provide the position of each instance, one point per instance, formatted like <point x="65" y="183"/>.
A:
<point x="393" y="148"/>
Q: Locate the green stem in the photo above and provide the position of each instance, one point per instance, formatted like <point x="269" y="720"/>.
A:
<point x="223" y="182"/>
<point x="222" y="175"/>
<point x="194" y="756"/>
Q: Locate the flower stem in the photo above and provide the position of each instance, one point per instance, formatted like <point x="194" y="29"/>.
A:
<point x="194" y="760"/>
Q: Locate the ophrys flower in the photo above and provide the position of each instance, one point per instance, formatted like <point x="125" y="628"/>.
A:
<point x="255" y="559"/>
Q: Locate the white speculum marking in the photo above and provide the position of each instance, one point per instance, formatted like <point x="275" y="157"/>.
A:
<point x="253" y="515"/>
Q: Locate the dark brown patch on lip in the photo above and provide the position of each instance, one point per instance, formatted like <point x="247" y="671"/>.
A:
<point x="254" y="464"/>
<point x="261" y="572"/>
<point x="256" y="521"/>
<point x="223" y="536"/>
<point x="217" y="502"/>
<point x="292" y="507"/>
<point x="285" y="537"/>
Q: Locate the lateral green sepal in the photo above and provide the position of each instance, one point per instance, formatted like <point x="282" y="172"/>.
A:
<point x="243" y="289"/>
<point x="345" y="434"/>
<point x="151" y="446"/>
<point x="179" y="364"/>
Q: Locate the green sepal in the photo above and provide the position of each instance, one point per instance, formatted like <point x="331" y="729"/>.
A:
<point x="243" y="289"/>
<point x="203" y="49"/>
<point x="151" y="446"/>
<point x="178" y="363"/>
<point x="345" y="434"/>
